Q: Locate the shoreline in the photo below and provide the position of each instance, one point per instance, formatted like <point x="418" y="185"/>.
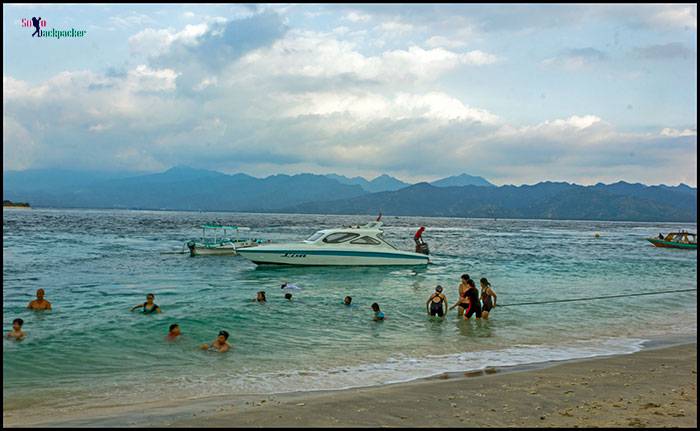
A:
<point x="496" y="396"/>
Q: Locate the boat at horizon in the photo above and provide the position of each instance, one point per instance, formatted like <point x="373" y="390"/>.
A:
<point x="219" y="243"/>
<point x="350" y="246"/>
<point x="680" y="239"/>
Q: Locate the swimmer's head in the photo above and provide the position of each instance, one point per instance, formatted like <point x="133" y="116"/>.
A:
<point x="17" y="324"/>
<point x="283" y="285"/>
<point x="261" y="296"/>
<point x="174" y="329"/>
<point x="470" y="282"/>
<point x="465" y="277"/>
<point x="150" y="297"/>
<point x="288" y="296"/>
<point x="40" y="294"/>
<point x="375" y="307"/>
<point x="223" y="336"/>
<point x="347" y="300"/>
<point x="484" y="282"/>
<point x="438" y="288"/>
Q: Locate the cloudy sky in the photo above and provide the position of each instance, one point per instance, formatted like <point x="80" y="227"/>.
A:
<point x="515" y="93"/>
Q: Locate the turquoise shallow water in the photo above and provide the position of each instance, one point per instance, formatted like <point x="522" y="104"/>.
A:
<point x="91" y="351"/>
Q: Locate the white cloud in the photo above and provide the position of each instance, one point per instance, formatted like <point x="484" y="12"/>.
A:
<point x="365" y="107"/>
<point x="143" y="78"/>
<point x="357" y="17"/>
<point x="677" y="16"/>
<point x="674" y="133"/>
<point x="444" y="42"/>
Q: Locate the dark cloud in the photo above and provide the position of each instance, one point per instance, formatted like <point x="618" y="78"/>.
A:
<point x="668" y="51"/>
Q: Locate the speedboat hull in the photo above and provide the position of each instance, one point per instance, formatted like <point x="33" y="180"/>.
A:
<point x="672" y="244"/>
<point x="271" y="255"/>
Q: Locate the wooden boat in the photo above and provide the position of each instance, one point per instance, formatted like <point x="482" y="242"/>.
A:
<point x="216" y="240"/>
<point x="680" y="239"/>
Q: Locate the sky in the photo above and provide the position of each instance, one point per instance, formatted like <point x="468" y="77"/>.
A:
<point x="515" y="93"/>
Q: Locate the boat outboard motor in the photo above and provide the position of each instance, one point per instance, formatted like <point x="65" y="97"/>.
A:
<point x="422" y="248"/>
<point x="190" y="245"/>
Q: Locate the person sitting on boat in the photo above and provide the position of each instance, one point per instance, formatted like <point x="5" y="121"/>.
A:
<point x="437" y="303"/>
<point x="661" y="236"/>
<point x="39" y="303"/>
<point x="149" y="306"/>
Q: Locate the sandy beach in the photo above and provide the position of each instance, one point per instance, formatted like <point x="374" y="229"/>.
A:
<point x="653" y="388"/>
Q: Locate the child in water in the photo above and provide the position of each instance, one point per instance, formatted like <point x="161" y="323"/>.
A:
<point x="378" y="314"/>
<point x="173" y="332"/>
<point x="16" y="332"/>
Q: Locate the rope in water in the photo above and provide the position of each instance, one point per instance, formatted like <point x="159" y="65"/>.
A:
<point x="598" y="297"/>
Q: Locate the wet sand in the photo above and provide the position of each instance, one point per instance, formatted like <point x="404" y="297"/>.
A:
<point x="651" y="388"/>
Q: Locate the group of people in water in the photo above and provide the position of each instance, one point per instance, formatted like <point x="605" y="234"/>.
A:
<point x="471" y="302"/>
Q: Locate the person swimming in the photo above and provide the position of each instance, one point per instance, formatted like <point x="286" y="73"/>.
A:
<point x="378" y="314"/>
<point x="17" y="334"/>
<point x="437" y="303"/>
<point x="149" y="307"/>
<point x="220" y="344"/>
<point x="288" y="296"/>
<point x="487" y="293"/>
<point x="39" y="304"/>
<point x="288" y="286"/>
<point x="347" y="301"/>
<point x="173" y="332"/>
<point x="260" y="297"/>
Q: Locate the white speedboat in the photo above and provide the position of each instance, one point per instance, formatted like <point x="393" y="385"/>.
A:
<point x="216" y="240"/>
<point x="354" y="245"/>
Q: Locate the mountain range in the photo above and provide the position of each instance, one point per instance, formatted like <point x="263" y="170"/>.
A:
<point x="185" y="188"/>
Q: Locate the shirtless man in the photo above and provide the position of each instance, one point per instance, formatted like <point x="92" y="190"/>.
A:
<point x="219" y="344"/>
<point x="39" y="303"/>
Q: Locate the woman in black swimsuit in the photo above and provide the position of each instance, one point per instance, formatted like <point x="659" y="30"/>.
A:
<point x="149" y="306"/>
<point x="486" y="294"/>
<point x="469" y="301"/>
<point x="437" y="303"/>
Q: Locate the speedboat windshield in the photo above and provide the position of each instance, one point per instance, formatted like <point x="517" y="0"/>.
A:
<point x="314" y="237"/>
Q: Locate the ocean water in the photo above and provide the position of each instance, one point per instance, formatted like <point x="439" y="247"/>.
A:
<point x="90" y="351"/>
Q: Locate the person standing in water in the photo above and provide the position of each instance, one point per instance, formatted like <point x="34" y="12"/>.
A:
<point x="378" y="314"/>
<point x="16" y="332"/>
<point x="437" y="303"/>
<point x="469" y="300"/>
<point x="260" y="297"/>
<point x="173" y="332"/>
<point x="347" y="301"/>
<point x="149" y="307"/>
<point x="462" y="301"/>
<point x="486" y="298"/>
<point x="220" y="344"/>
<point x="39" y="303"/>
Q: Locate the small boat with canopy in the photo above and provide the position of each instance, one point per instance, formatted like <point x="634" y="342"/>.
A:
<point x="680" y="239"/>
<point x="221" y="240"/>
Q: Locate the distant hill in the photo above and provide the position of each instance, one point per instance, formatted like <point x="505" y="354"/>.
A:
<point x="461" y="180"/>
<point x="185" y="188"/>
<point x="180" y="188"/>
<point x="382" y="183"/>
<point x="547" y="200"/>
